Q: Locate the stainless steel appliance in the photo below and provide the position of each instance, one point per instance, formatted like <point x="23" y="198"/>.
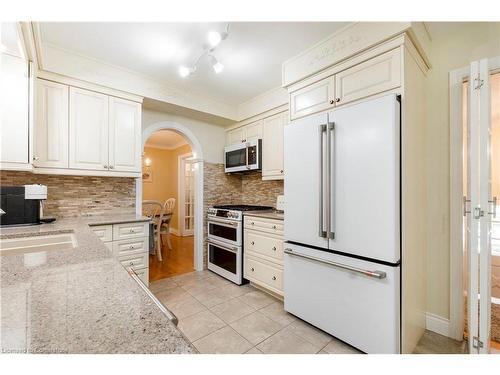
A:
<point x="243" y="157"/>
<point x="225" y="240"/>
<point x="22" y="205"/>
<point x="342" y="257"/>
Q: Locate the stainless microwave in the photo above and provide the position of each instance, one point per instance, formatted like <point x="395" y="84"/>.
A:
<point x="243" y="157"/>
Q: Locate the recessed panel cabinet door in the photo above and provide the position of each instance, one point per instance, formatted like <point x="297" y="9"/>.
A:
<point x="253" y="130"/>
<point x="51" y="125"/>
<point x="313" y="98"/>
<point x="124" y="135"/>
<point x="272" y="148"/>
<point x="235" y="136"/>
<point x="88" y="130"/>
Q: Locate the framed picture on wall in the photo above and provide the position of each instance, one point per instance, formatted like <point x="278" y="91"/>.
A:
<point x="147" y="175"/>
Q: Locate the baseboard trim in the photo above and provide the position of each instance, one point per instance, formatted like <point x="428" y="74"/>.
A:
<point x="438" y="324"/>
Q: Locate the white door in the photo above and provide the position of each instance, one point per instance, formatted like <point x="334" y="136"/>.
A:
<point x="14" y="126"/>
<point x="272" y="147"/>
<point x="186" y="195"/>
<point x="88" y="130"/>
<point x="305" y="188"/>
<point x="481" y="209"/>
<point x="124" y="135"/>
<point x="51" y="141"/>
<point x="364" y="179"/>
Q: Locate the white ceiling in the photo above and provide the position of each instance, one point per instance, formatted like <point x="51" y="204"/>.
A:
<point x="252" y="54"/>
<point x="166" y="139"/>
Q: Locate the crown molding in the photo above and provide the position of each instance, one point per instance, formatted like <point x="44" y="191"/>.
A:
<point x="264" y="102"/>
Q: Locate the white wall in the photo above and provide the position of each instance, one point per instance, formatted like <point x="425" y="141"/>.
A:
<point x="211" y="137"/>
<point x="447" y="52"/>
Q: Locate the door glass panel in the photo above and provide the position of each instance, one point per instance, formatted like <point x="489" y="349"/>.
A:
<point x="223" y="258"/>
<point x="236" y="158"/>
<point x="222" y="231"/>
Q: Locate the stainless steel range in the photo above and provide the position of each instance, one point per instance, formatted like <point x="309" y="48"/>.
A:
<point x="225" y="240"/>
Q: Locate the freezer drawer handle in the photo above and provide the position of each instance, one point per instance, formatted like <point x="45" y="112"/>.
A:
<point x="375" y="274"/>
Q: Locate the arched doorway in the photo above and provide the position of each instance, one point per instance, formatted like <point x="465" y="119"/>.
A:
<point x="197" y="161"/>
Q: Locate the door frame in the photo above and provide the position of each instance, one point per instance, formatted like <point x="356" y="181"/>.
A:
<point x="198" y="176"/>
<point x="456" y="78"/>
<point x="181" y="192"/>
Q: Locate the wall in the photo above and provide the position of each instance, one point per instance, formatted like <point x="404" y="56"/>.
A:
<point x="447" y="52"/>
<point x="164" y="167"/>
<point x="211" y="137"/>
<point x="70" y="196"/>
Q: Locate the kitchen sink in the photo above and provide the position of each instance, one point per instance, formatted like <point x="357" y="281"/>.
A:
<point x="62" y="241"/>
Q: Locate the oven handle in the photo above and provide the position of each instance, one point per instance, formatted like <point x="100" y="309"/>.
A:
<point x="223" y="246"/>
<point x="219" y="221"/>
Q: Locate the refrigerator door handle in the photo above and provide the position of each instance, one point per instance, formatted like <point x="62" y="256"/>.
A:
<point x="321" y="232"/>
<point x="330" y="188"/>
<point x="376" y="274"/>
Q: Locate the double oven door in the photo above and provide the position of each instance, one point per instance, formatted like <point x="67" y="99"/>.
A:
<point x="225" y="254"/>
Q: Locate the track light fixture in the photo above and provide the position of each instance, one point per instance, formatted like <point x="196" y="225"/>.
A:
<point x="214" y="39"/>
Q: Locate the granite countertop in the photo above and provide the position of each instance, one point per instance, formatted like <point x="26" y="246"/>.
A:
<point x="79" y="300"/>
<point x="269" y="214"/>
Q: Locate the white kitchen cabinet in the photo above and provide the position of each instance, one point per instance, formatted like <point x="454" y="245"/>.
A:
<point x="51" y="127"/>
<point x="253" y="130"/>
<point x="235" y="136"/>
<point x="14" y="124"/>
<point x="88" y="130"/>
<point x="272" y="147"/>
<point x="316" y="97"/>
<point x="243" y="133"/>
<point x="379" y="74"/>
<point x="263" y="255"/>
<point x="124" y="135"/>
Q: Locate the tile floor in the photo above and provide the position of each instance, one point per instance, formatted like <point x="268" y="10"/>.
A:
<point x="218" y="316"/>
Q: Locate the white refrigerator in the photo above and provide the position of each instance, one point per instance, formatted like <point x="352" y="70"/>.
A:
<point x="342" y="224"/>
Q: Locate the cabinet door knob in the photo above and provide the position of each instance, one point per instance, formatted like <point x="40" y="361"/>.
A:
<point x="131" y="247"/>
<point x="337" y="100"/>
<point x="274" y="277"/>
<point x="252" y="269"/>
<point x="105" y="166"/>
<point x="281" y="171"/>
<point x="253" y="243"/>
<point x="274" y="226"/>
<point x="131" y="263"/>
<point x="111" y="167"/>
<point x="274" y="248"/>
<point x="332" y="101"/>
<point x="132" y="231"/>
<point x="35" y="158"/>
<point x="252" y="223"/>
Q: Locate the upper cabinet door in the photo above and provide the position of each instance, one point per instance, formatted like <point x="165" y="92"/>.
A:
<point x="88" y="130"/>
<point x="253" y="130"/>
<point x="313" y="98"/>
<point x="235" y="136"/>
<point x="382" y="73"/>
<point x="124" y="135"/>
<point x="272" y="147"/>
<point x="14" y="125"/>
<point x="51" y="125"/>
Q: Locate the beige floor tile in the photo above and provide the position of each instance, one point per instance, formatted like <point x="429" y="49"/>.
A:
<point x="161" y="285"/>
<point x="286" y="342"/>
<point x="170" y="296"/>
<point x="257" y="299"/>
<point x="232" y="310"/>
<point x="199" y="325"/>
<point x="211" y="299"/>
<point x="223" y="341"/>
<point x="256" y="327"/>
<point x="230" y="291"/>
<point x="186" y="307"/>
<point x="188" y="278"/>
<point x="338" y="347"/>
<point x="311" y="334"/>
<point x="276" y="312"/>
<point x="254" y="350"/>
<point x="197" y="288"/>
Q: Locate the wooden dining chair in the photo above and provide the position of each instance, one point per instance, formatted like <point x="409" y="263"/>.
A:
<point x="168" y="212"/>
<point x="154" y="210"/>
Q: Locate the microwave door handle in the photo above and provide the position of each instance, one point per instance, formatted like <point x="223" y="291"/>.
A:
<point x="246" y="155"/>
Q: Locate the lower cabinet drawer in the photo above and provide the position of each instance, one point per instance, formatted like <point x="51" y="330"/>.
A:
<point x="263" y="274"/>
<point x="136" y="261"/>
<point x="104" y="232"/>
<point x="264" y="225"/>
<point x="131" y="246"/>
<point x="130" y="230"/>
<point x="143" y="274"/>
<point x="265" y="245"/>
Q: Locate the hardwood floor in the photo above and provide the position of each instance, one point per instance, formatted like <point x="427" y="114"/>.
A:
<point x="177" y="261"/>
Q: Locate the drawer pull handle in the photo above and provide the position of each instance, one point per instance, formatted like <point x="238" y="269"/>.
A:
<point x="252" y="269"/>
<point x="131" y="247"/>
<point x="132" y="231"/>
<point x="253" y="243"/>
<point x="252" y="223"/>
<point x="131" y="263"/>
<point x="274" y="277"/>
<point x="274" y="226"/>
<point x="274" y="248"/>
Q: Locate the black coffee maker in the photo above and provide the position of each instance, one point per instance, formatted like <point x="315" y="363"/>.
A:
<point x="22" y="205"/>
